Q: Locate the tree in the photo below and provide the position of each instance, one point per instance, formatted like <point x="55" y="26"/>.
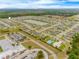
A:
<point x="40" y="55"/>
<point x="74" y="53"/>
<point x="29" y="47"/>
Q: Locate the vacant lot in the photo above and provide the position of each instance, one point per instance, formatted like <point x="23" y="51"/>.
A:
<point x="28" y="43"/>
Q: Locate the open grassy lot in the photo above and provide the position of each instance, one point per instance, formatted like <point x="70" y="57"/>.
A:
<point x="30" y="44"/>
<point x="61" y="55"/>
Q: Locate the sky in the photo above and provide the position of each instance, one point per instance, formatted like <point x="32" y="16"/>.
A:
<point x="36" y="4"/>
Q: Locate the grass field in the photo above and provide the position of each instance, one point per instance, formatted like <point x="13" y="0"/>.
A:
<point x="28" y="43"/>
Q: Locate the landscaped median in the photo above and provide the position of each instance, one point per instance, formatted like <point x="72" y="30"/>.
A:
<point x="1" y="50"/>
<point x="1" y="38"/>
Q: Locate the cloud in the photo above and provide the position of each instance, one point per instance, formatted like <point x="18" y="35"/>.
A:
<point x="73" y="0"/>
<point x="29" y="4"/>
<point x="44" y="1"/>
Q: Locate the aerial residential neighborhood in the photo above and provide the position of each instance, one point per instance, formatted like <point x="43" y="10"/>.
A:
<point x="26" y="36"/>
<point x="39" y="29"/>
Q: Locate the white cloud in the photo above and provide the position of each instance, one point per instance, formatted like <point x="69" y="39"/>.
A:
<point x="35" y="4"/>
<point x="4" y="6"/>
<point x="73" y="0"/>
<point x="44" y="1"/>
<point x="47" y="2"/>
